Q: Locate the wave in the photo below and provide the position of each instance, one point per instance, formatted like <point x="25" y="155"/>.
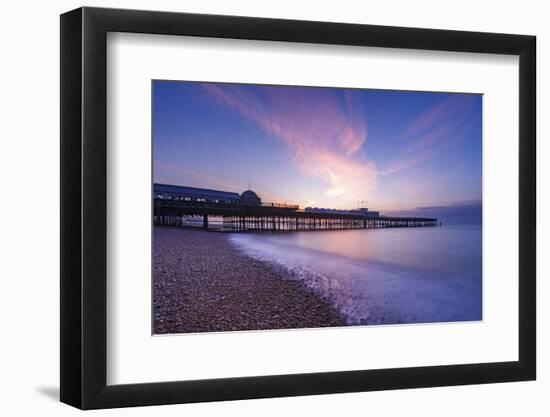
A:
<point x="369" y="292"/>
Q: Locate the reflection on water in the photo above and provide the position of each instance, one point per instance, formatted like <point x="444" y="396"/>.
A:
<point x="381" y="276"/>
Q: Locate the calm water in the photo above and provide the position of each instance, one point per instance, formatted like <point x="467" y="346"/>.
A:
<point x="384" y="275"/>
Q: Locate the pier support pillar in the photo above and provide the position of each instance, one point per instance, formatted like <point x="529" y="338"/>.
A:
<point x="205" y="221"/>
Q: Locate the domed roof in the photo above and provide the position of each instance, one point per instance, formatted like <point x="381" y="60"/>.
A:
<point x="249" y="194"/>
<point x="250" y="198"/>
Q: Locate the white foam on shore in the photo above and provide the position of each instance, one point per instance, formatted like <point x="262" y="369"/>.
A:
<point x="328" y="289"/>
<point x="369" y="292"/>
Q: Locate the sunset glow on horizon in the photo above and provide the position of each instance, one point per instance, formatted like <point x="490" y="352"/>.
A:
<point x="321" y="147"/>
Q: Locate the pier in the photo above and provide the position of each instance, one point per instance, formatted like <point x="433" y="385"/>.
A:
<point x="239" y="217"/>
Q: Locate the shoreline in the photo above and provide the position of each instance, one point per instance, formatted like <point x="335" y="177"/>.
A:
<point x="202" y="283"/>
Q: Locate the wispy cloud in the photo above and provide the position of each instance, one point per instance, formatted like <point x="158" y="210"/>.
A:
<point x="322" y="132"/>
<point x="407" y="161"/>
<point x="424" y="138"/>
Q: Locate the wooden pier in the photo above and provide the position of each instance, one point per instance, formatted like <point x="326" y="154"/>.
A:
<point x="274" y="217"/>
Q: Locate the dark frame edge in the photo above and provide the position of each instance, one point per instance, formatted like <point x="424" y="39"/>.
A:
<point x="278" y="386"/>
<point x="70" y="208"/>
<point x="528" y="206"/>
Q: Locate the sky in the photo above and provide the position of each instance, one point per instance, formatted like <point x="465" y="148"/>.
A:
<point x="391" y="151"/>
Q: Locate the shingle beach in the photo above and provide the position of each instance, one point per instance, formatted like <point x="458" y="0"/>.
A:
<point x="202" y="283"/>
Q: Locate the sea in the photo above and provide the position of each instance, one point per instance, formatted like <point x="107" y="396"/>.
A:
<point x="382" y="276"/>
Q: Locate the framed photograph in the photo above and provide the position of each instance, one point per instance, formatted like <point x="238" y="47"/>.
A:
<point x="257" y="208"/>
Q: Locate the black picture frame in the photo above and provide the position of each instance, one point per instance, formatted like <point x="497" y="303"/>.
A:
<point x="84" y="207"/>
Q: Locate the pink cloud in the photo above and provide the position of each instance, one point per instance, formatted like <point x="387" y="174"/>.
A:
<point x="322" y="133"/>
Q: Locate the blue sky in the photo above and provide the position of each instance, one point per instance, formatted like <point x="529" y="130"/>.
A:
<point x="323" y="147"/>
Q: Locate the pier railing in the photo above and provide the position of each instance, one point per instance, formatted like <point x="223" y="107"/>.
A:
<point x="281" y="205"/>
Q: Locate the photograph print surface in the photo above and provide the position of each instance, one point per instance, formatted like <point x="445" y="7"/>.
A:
<point x="292" y="207"/>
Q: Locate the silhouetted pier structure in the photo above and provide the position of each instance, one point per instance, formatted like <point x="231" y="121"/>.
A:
<point x="239" y="217"/>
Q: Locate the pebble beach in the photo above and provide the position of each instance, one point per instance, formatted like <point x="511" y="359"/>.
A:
<point x="202" y="283"/>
